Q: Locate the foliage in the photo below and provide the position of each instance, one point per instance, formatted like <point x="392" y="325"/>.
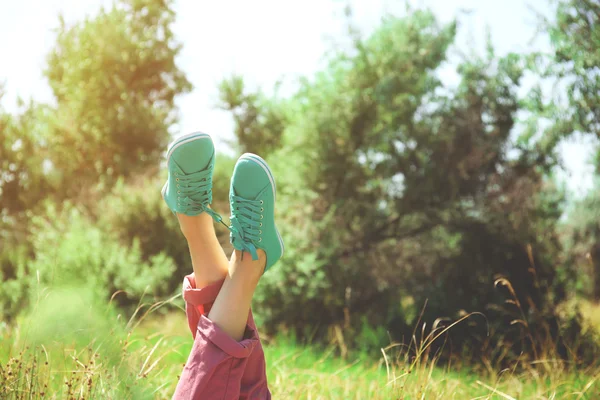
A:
<point x="137" y="215"/>
<point x="395" y="189"/>
<point x="70" y="250"/>
<point x="115" y="80"/>
<point x="259" y="120"/>
<point x="404" y="187"/>
<point x="342" y="188"/>
<point x="575" y="36"/>
<point x="564" y="99"/>
<point x="582" y="237"/>
<point x="576" y="39"/>
<point x="24" y="180"/>
<point x="16" y="279"/>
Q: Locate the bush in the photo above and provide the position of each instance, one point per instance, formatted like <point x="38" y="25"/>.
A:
<point x="136" y="213"/>
<point x="71" y="250"/>
<point x="14" y="278"/>
<point x="128" y="240"/>
<point x="581" y="235"/>
<point x="393" y="186"/>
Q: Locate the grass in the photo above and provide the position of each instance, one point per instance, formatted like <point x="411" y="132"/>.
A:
<point x="590" y="312"/>
<point x="86" y="351"/>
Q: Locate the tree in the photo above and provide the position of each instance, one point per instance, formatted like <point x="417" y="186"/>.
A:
<point x="572" y="69"/>
<point x="583" y="242"/>
<point x="576" y="39"/>
<point x="259" y="120"/>
<point x="24" y="180"/>
<point x="115" y="80"/>
<point x="575" y="36"/>
<point x="393" y="185"/>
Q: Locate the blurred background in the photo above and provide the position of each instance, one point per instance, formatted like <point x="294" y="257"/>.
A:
<point x="437" y="166"/>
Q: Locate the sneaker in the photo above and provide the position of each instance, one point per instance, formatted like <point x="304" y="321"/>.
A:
<point x="252" y="199"/>
<point x="190" y="161"/>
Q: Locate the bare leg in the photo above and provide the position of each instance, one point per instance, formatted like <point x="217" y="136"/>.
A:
<point x="231" y="308"/>
<point x="208" y="258"/>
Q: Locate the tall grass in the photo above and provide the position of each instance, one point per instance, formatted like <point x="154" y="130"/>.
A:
<point x="72" y="347"/>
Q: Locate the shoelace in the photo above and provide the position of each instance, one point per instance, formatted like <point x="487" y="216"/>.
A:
<point x="245" y="224"/>
<point x="195" y="193"/>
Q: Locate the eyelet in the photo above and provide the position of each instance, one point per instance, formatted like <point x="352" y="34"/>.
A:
<point x="262" y="209"/>
<point x="260" y="232"/>
<point x="261" y="217"/>
<point x="260" y="225"/>
<point x="177" y="179"/>
<point x="261" y="202"/>
<point x="259" y="240"/>
<point x="178" y="192"/>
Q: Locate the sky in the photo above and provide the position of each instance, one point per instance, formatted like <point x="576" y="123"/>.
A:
<point x="266" y="41"/>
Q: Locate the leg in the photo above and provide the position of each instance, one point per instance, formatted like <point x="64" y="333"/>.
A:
<point x="188" y="193"/>
<point x="216" y="367"/>
<point x="255" y="238"/>
<point x="219" y="366"/>
<point x="208" y="258"/>
<point x="232" y="306"/>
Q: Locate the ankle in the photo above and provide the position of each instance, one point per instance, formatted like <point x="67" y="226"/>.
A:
<point x="249" y="270"/>
<point x="195" y="226"/>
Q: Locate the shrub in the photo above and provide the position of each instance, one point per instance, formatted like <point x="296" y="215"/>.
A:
<point x="137" y="216"/>
<point x="136" y="213"/>
<point x="14" y="278"/>
<point x="70" y="249"/>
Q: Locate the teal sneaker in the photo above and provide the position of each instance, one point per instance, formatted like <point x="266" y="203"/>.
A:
<point x="252" y="199"/>
<point x="190" y="161"/>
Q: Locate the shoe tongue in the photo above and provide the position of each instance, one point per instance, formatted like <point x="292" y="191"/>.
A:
<point x="245" y="192"/>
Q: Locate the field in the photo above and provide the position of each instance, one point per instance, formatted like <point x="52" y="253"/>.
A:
<point x="434" y="163"/>
<point x="71" y="347"/>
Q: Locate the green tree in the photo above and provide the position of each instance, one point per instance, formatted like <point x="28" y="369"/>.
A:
<point x="23" y="184"/>
<point x="115" y="80"/>
<point x="583" y="243"/>
<point x="571" y="69"/>
<point x="575" y="36"/>
<point x="259" y="120"/>
<point x="393" y="184"/>
<point x="24" y="180"/>
<point x="576" y="40"/>
<point x="137" y="215"/>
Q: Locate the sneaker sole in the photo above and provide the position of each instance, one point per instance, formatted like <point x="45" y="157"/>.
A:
<point x="190" y="137"/>
<point x="258" y="160"/>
